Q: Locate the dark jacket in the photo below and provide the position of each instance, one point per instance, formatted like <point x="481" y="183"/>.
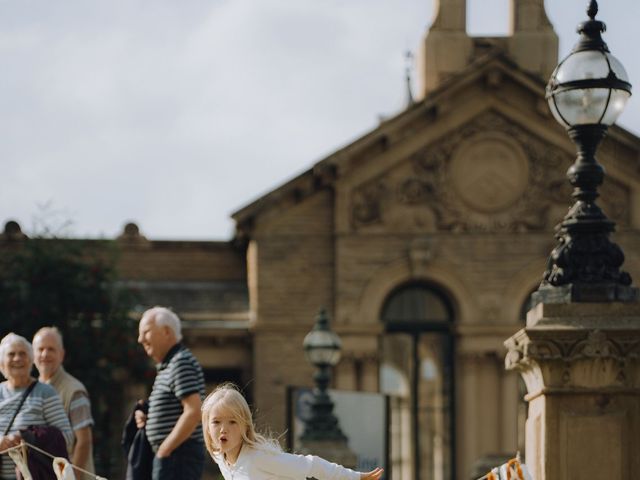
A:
<point x="137" y="448"/>
<point x="50" y="440"/>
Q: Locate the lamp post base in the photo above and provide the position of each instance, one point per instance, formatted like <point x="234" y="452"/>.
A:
<point x="584" y="293"/>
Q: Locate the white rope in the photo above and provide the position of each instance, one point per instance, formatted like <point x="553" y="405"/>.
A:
<point x="97" y="477"/>
<point x="9" y="449"/>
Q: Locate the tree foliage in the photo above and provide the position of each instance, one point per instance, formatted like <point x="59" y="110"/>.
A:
<point x="74" y="286"/>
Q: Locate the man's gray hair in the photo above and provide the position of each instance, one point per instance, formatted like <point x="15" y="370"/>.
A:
<point x="164" y="317"/>
<point x="55" y="331"/>
<point x="11" y="338"/>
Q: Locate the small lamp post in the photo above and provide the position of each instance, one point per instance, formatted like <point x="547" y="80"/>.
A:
<point x="587" y="92"/>
<point x="322" y="348"/>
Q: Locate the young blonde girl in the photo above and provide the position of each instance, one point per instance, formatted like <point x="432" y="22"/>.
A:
<point x="243" y="454"/>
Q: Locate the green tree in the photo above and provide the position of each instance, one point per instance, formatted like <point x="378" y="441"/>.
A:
<point x="73" y="285"/>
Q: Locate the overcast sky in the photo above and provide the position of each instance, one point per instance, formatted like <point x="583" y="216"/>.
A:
<point x="175" y="113"/>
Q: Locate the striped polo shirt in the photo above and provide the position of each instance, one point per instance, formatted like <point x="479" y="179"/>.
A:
<point x="179" y="375"/>
<point x="42" y="407"/>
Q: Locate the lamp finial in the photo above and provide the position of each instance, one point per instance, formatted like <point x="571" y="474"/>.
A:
<point x="592" y="10"/>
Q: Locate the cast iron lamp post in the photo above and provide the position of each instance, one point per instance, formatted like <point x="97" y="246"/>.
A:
<point x="322" y="349"/>
<point x="587" y="92"/>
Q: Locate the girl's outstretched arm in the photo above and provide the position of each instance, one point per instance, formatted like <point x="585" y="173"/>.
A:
<point x="372" y="475"/>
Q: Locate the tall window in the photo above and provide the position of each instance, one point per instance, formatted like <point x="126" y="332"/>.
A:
<point x="417" y="374"/>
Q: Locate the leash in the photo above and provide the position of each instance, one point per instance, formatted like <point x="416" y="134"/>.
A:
<point x="23" y="443"/>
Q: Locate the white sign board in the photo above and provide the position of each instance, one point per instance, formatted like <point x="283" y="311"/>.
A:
<point x="362" y="418"/>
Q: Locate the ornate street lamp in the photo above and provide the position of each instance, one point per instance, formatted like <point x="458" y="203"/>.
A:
<point x="587" y="92"/>
<point x="322" y="348"/>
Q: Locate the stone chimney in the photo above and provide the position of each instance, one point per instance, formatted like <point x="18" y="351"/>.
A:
<point x="447" y="48"/>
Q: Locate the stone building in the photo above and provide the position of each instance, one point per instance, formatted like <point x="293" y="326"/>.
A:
<point x="423" y="239"/>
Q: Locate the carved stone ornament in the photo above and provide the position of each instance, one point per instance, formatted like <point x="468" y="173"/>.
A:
<point x="367" y="203"/>
<point x="489" y="172"/>
<point x="489" y="175"/>
<point x="568" y="348"/>
<point x="553" y="358"/>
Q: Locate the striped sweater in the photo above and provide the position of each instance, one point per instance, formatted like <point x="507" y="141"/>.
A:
<point x="42" y="407"/>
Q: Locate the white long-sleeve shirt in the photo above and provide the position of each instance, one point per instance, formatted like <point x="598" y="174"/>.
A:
<point x="257" y="464"/>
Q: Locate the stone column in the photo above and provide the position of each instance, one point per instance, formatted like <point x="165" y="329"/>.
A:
<point x="581" y="365"/>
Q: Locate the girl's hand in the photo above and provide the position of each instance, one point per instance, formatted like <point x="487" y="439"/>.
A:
<point x="372" y="475"/>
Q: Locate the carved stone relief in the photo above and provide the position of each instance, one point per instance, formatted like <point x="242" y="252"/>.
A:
<point x="533" y="353"/>
<point x="489" y="172"/>
<point x="490" y="175"/>
<point x="367" y="203"/>
<point x="570" y="347"/>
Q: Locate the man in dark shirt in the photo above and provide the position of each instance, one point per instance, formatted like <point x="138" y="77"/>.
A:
<point x="173" y="421"/>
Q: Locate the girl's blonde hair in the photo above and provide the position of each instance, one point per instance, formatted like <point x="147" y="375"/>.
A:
<point x="228" y="397"/>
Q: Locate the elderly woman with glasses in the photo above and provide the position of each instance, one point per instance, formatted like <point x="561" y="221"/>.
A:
<point x="42" y="406"/>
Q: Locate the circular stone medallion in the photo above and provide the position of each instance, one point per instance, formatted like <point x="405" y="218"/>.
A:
<point x="489" y="172"/>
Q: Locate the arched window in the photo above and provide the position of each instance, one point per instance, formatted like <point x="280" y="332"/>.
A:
<point x="416" y="306"/>
<point x="417" y="373"/>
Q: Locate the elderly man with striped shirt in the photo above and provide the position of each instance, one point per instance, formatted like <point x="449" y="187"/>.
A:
<point x="173" y="420"/>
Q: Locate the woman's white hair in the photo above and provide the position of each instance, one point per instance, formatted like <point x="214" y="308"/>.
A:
<point x="11" y="338"/>
<point x="162" y="316"/>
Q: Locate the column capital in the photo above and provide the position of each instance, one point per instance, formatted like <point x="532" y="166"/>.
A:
<point x="578" y="348"/>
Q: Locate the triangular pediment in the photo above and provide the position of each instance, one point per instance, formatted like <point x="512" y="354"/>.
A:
<point x="488" y="175"/>
<point x="481" y="153"/>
